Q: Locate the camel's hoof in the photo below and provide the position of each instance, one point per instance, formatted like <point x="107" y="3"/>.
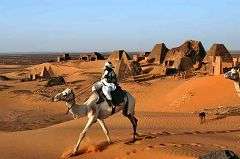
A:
<point x="74" y="153"/>
<point x="68" y="154"/>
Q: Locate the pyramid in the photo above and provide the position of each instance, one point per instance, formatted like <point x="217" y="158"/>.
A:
<point x="50" y="71"/>
<point x="218" y="50"/>
<point x="117" y="55"/>
<point x="193" y="49"/>
<point x="123" y="70"/>
<point x="158" y="53"/>
<point x="44" y="73"/>
<point x="190" y="50"/>
<point x="199" y="50"/>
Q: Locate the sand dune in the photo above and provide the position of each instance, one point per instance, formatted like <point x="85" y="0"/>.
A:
<point x="184" y="95"/>
<point x="177" y="135"/>
<point x="205" y="92"/>
<point x="167" y="127"/>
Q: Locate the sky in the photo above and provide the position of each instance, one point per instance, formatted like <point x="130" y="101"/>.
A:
<point x="103" y="25"/>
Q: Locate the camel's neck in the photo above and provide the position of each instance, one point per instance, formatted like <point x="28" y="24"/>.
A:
<point x="77" y="110"/>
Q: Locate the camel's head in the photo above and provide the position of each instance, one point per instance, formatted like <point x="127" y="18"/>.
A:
<point x="232" y="75"/>
<point x="67" y="95"/>
<point x="227" y="74"/>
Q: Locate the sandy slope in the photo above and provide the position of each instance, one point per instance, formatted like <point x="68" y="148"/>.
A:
<point x="163" y="135"/>
<point x="184" y="96"/>
<point x="172" y="134"/>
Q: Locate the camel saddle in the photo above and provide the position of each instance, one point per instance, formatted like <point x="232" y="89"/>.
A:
<point x="117" y="96"/>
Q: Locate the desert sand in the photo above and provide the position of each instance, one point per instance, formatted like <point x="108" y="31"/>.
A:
<point x="31" y="126"/>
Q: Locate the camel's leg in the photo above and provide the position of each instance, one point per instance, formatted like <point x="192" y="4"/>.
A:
<point x="82" y="134"/>
<point x="105" y="129"/>
<point x="134" y="121"/>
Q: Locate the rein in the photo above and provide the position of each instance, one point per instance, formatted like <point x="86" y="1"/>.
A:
<point x="72" y="101"/>
<point x="68" y="109"/>
<point x="84" y="90"/>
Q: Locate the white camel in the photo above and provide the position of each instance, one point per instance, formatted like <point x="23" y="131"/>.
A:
<point x="96" y="112"/>
<point x="233" y="74"/>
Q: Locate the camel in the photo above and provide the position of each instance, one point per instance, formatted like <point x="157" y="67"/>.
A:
<point x="235" y="78"/>
<point x="232" y="76"/>
<point x="96" y="112"/>
<point x="202" y="116"/>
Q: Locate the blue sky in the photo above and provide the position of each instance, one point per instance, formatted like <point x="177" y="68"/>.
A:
<point x="102" y="25"/>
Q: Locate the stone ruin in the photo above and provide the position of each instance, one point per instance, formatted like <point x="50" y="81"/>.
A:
<point x="184" y="60"/>
<point x="44" y="73"/>
<point x="64" y="57"/>
<point x="191" y="57"/>
<point x="118" y="54"/>
<point x="91" y="56"/>
<point x="158" y="53"/>
<point x="55" y="81"/>
<point x="184" y="57"/>
<point x="125" y="68"/>
<point x="135" y="68"/>
<point x="217" y="60"/>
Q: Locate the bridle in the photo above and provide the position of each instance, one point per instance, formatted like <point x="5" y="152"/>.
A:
<point x="70" y="100"/>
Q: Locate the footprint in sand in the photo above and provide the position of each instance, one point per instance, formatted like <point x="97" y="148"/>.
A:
<point x="166" y="133"/>
<point x="149" y="147"/>
<point x="195" y="144"/>
<point x="162" y="145"/>
<point x="91" y="148"/>
<point x="132" y="151"/>
<point x="149" y="137"/>
<point x="197" y="132"/>
<point x="177" y="145"/>
<point x="174" y="145"/>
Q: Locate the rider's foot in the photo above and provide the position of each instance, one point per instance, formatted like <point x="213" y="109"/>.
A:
<point x="113" y="109"/>
<point x="111" y="105"/>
